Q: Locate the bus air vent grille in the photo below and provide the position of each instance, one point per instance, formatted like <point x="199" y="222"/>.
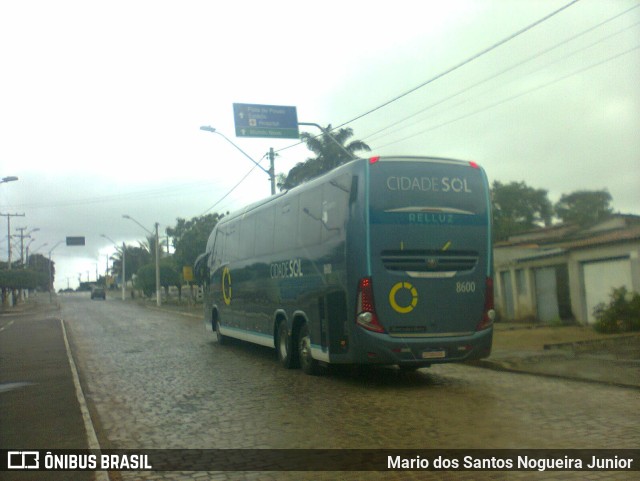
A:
<point x="429" y="261"/>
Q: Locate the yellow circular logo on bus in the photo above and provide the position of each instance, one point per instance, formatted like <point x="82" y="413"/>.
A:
<point x="226" y="286"/>
<point x="394" y="303"/>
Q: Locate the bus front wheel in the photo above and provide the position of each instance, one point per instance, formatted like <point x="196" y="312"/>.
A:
<point x="308" y="364"/>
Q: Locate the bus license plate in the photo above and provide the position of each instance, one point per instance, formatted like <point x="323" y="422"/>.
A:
<point x="433" y="354"/>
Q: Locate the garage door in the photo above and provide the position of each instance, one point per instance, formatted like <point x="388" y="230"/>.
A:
<point x="547" y="294"/>
<point x="600" y="278"/>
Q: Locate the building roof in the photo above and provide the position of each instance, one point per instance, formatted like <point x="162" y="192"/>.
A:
<point x="563" y="235"/>
<point x="555" y="247"/>
<point x="609" y="237"/>
<point x="542" y="254"/>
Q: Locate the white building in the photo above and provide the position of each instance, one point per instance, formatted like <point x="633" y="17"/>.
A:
<point x="562" y="273"/>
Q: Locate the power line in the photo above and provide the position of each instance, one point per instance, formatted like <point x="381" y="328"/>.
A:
<point x="464" y="62"/>
<point x="518" y="64"/>
<point x="121" y="197"/>
<point x="454" y="68"/>
<point x="513" y="97"/>
<point x="232" y="188"/>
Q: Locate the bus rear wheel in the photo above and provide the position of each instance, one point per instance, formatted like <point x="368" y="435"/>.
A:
<point x="308" y="364"/>
<point x="222" y="339"/>
<point x="283" y="346"/>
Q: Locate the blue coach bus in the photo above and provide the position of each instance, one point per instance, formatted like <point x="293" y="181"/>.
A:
<point x="386" y="260"/>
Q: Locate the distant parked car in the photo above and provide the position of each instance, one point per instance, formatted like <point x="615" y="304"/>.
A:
<point x="98" y="292"/>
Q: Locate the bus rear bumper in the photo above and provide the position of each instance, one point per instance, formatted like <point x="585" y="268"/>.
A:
<point x="376" y="348"/>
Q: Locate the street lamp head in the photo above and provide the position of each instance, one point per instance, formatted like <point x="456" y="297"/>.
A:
<point x="126" y="216"/>
<point x="208" y="128"/>
<point x="108" y="238"/>
<point x="9" y="179"/>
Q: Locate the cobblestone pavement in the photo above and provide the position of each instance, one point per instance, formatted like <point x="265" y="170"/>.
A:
<point x="159" y="380"/>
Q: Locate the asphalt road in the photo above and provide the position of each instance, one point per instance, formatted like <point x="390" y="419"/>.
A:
<point x="155" y="379"/>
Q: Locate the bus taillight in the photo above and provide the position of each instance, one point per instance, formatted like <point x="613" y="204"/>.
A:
<point x="366" y="311"/>
<point x="488" y="313"/>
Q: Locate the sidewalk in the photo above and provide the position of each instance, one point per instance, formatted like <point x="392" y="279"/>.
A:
<point x="569" y="352"/>
<point x="39" y="406"/>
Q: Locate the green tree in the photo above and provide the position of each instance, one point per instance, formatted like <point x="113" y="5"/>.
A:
<point x="11" y="280"/>
<point x="518" y="208"/>
<point x="331" y="151"/>
<point x="146" y="276"/>
<point x="22" y="279"/>
<point x="40" y="263"/>
<point x="149" y="245"/>
<point x="584" y="207"/>
<point x="622" y="314"/>
<point x="190" y="237"/>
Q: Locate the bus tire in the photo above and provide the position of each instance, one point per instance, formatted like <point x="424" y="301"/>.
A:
<point x="222" y="339"/>
<point x="308" y="364"/>
<point x="283" y="346"/>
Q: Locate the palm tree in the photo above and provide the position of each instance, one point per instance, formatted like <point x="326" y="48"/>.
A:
<point x="331" y="151"/>
<point x="136" y="257"/>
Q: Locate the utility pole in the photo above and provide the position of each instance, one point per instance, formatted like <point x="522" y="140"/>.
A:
<point x="272" y="170"/>
<point x="9" y="216"/>
<point x="22" y="238"/>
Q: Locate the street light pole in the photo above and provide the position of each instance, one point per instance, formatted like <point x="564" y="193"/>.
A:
<point x="26" y="258"/>
<point x="50" y="273"/>
<point x="124" y="272"/>
<point x="158" y="294"/>
<point x="270" y="172"/>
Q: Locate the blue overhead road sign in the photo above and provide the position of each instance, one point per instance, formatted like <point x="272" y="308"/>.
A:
<point x="272" y="121"/>
<point x="75" y="241"/>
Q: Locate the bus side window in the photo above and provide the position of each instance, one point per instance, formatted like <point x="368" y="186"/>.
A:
<point x="286" y="234"/>
<point x="215" y="259"/>
<point x="231" y="248"/>
<point x="335" y="206"/>
<point x="247" y="237"/>
<point x="310" y="222"/>
<point x="264" y="231"/>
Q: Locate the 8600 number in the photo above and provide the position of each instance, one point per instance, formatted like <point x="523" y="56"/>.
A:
<point x="465" y="287"/>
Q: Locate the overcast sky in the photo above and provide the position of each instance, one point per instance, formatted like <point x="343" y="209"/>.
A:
<point x="101" y="102"/>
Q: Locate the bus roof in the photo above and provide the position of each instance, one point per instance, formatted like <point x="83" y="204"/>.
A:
<point x="350" y="164"/>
